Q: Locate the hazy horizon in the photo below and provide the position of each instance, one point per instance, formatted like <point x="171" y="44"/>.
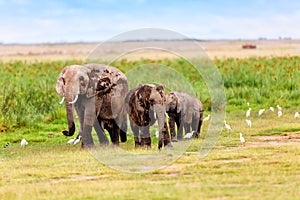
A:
<point x="151" y="40"/>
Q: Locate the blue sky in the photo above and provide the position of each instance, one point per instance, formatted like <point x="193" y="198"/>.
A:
<point x="32" y="21"/>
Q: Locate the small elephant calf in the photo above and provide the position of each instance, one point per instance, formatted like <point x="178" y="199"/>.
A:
<point x="143" y="104"/>
<point x="184" y="110"/>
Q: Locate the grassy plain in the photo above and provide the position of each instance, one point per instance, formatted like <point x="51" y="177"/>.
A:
<point x="267" y="166"/>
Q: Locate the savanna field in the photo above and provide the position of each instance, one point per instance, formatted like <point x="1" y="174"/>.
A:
<point x="267" y="166"/>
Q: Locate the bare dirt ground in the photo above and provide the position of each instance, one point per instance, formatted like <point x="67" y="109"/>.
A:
<point x="214" y="48"/>
<point x="274" y="140"/>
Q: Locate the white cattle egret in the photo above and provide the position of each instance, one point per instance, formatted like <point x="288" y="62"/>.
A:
<point x="261" y="111"/>
<point x="272" y="109"/>
<point x="296" y="115"/>
<point x="157" y="134"/>
<point x="77" y="140"/>
<point x="23" y="143"/>
<point x="249" y="123"/>
<point x="189" y="135"/>
<point x="227" y="126"/>
<point x="71" y="141"/>
<point x="279" y="108"/>
<point x="279" y="113"/>
<point x="206" y="118"/>
<point x="242" y="139"/>
<point x="248" y="112"/>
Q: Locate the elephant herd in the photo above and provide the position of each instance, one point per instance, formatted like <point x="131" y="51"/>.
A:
<point x="101" y="98"/>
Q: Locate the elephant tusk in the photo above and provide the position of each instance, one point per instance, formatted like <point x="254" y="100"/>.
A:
<point x="63" y="99"/>
<point x="74" y="101"/>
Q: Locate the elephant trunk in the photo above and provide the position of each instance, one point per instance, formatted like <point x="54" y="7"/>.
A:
<point x="167" y="106"/>
<point x="70" y="115"/>
<point x="160" y="113"/>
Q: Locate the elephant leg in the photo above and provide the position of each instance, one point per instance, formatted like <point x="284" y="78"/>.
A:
<point x="187" y="128"/>
<point x="89" y="119"/>
<point x="110" y="126"/>
<point x="167" y="141"/>
<point x="195" y="124"/>
<point x="166" y="138"/>
<point x="198" y="123"/>
<point x="80" y="114"/>
<point x="100" y="132"/>
<point x="87" y="140"/>
<point x="115" y="133"/>
<point x="135" y="130"/>
<point x="172" y="129"/>
<point x="179" y="128"/>
<point x="145" y="137"/>
<point x="123" y="129"/>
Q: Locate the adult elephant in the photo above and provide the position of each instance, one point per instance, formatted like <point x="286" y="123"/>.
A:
<point x="143" y="104"/>
<point x="184" y="110"/>
<point x="77" y="84"/>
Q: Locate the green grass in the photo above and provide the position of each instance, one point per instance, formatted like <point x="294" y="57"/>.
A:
<point x="230" y="171"/>
<point x="28" y="95"/>
<point x="48" y="168"/>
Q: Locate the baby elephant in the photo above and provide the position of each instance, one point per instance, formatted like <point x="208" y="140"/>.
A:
<point x="145" y="104"/>
<point x="184" y="110"/>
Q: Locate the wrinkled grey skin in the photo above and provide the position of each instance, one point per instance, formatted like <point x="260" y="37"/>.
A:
<point x="143" y="102"/>
<point x="82" y="81"/>
<point x="184" y="110"/>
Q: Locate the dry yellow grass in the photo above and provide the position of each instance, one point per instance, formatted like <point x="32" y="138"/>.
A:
<point x="215" y="49"/>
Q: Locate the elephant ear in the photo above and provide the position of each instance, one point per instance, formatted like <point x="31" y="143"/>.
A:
<point x="60" y="83"/>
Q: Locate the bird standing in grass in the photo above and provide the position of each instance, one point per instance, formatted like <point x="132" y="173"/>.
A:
<point x="261" y="111"/>
<point x="24" y="143"/>
<point x="248" y="112"/>
<point x="227" y="126"/>
<point x="242" y="139"/>
<point x="157" y="134"/>
<point x="77" y="140"/>
<point x="279" y="108"/>
<point x="249" y="123"/>
<point x="279" y="113"/>
<point x="190" y="135"/>
<point x="272" y="109"/>
<point x="71" y="141"/>
<point x="206" y="118"/>
<point x="296" y="115"/>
